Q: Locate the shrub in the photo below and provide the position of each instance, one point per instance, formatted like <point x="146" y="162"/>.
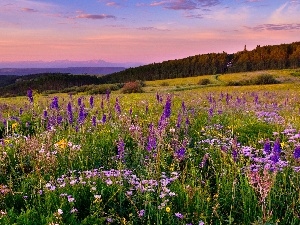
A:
<point x="164" y="84"/>
<point x="265" y="79"/>
<point x="204" y="81"/>
<point x="132" y="87"/>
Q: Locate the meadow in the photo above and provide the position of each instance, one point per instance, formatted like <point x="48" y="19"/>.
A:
<point x="180" y="153"/>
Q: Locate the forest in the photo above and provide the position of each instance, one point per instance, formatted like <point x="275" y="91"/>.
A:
<point x="282" y="56"/>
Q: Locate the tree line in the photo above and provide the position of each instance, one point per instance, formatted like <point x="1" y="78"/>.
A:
<point x="261" y="58"/>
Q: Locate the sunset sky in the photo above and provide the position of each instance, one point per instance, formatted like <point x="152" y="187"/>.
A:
<point x="141" y="31"/>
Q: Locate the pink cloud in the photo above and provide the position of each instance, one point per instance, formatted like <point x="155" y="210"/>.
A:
<point x="95" y="16"/>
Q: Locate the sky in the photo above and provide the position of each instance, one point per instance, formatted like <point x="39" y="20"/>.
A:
<point x="141" y="31"/>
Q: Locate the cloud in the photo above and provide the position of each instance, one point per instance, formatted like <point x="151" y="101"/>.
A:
<point x="113" y="4"/>
<point x="276" y="27"/>
<point x="29" y="10"/>
<point x="95" y="16"/>
<point x="185" y="4"/>
<point x="194" y="16"/>
<point x="151" y="28"/>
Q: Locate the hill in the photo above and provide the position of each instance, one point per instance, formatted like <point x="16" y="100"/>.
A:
<point x="282" y="56"/>
<point x="71" y="70"/>
<point x="18" y="85"/>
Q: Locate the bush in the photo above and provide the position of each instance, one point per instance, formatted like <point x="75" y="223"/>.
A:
<point x="132" y="87"/>
<point x="265" y="79"/>
<point x="204" y="81"/>
<point x="164" y="84"/>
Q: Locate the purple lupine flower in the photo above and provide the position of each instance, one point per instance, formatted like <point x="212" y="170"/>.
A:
<point x="107" y="94"/>
<point x="167" y="109"/>
<point x="103" y="118"/>
<point x="157" y="97"/>
<point x="187" y="121"/>
<point x="82" y="115"/>
<point x="54" y="103"/>
<point x="92" y="102"/>
<point x="277" y="147"/>
<point x="117" y="106"/>
<point x="121" y="149"/>
<point x="180" y="153"/>
<point x="70" y="112"/>
<point x="210" y="112"/>
<point x="45" y="114"/>
<point x="59" y="119"/>
<point x="79" y="101"/>
<point x="267" y="147"/>
<point x="130" y="111"/>
<point x="179" y="120"/>
<point x="29" y="95"/>
<point x="297" y="152"/>
<point x="183" y="107"/>
<point x="21" y="111"/>
<point x="94" y="121"/>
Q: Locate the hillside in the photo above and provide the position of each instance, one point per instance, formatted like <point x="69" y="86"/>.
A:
<point x="18" y="85"/>
<point x="282" y="56"/>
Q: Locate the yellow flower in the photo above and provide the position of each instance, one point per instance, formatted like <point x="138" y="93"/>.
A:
<point x="168" y="209"/>
<point x="62" y="144"/>
<point x="14" y="125"/>
<point x="172" y="167"/>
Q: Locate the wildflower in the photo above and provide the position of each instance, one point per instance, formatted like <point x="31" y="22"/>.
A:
<point x="92" y="102"/>
<point x="62" y="144"/>
<point x="54" y="103"/>
<point x="168" y="209"/>
<point x="141" y="213"/>
<point x="107" y="94"/>
<point x="180" y="153"/>
<point x="14" y="126"/>
<point x="297" y="152"/>
<point x="167" y="109"/>
<point x="179" y="215"/>
<point x="103" y="118"/>
<point x="70" y="112"/>
<point x="29" y="95"/>
<point x="79" y="101"/>
<point x="117" y="106"/>
<point x="201" y="222"/>
<point x="60" y="212"/>
<point x="74" y="210"/>
<point x="121" y="148"/>
<point x="82" y="115"/>
<point x="94" y="121"/>
<point x="267" y="147"/>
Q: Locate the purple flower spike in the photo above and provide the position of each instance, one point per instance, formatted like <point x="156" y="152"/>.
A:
<point x="267" y="147"/>
<point x="297" y="152"/>
<point x="92" y="102"/>
<point x="29" y="95"/>
<point x="54" y="103"/>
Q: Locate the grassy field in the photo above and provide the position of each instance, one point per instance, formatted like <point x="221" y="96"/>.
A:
<point x="180" y="153"/>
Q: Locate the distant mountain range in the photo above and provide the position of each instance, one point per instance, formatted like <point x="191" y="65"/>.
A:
<point x="66" y="64"/>
<point x="71" y="70"/>
<point x="91" y="67"/>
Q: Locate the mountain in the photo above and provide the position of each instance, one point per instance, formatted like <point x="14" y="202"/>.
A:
<point x="71" y="70"/>
<point x="65" y="64"/>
